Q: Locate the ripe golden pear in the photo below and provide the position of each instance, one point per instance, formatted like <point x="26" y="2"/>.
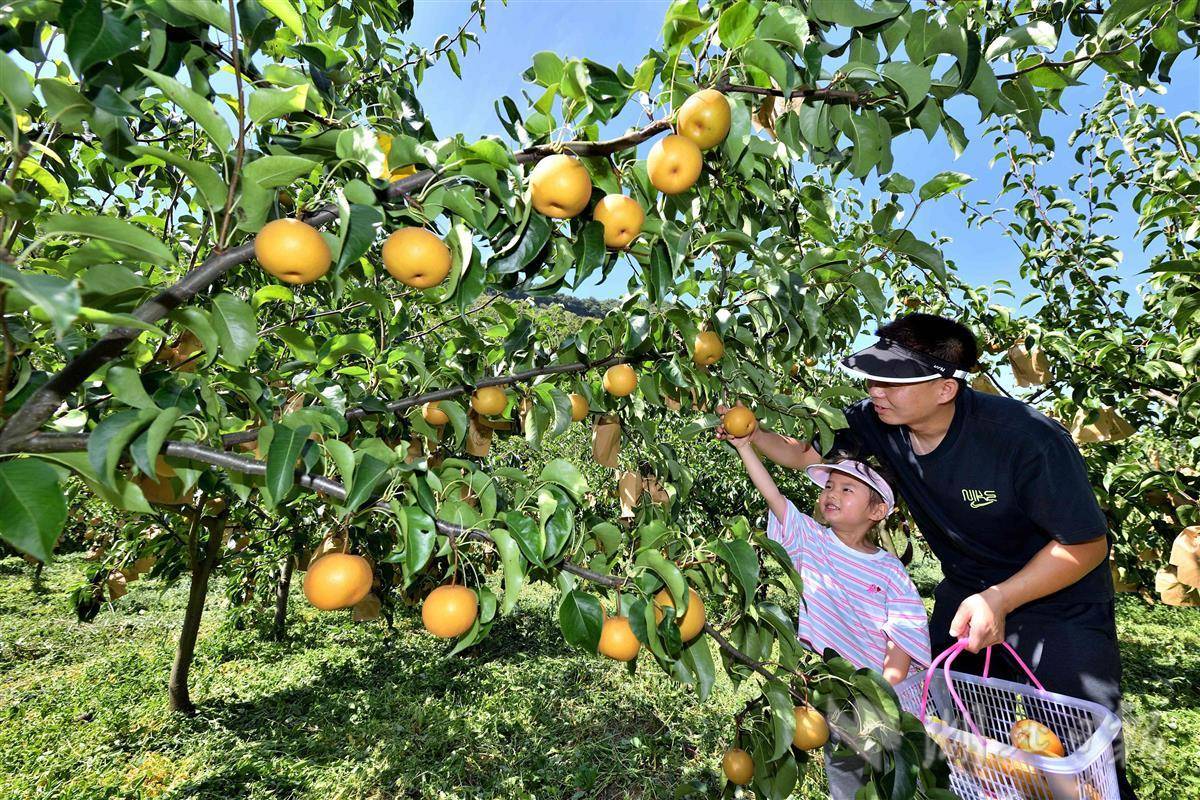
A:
<point x="416" y="258"/>
<point x="337" y="580"/>
<point x="620" y="380"/>
<point x="693" y="620"/>
<point x="811" y="729"/>
<point x="617" y="640"/>
<point x="738" y="766"/>
<point x="739" y="421"/>
<point x="292" y="251"/>
<point x="674" y="164"/>
<point x="579" y="407"/>
<point x="433" y="414"/>
<point x="489" y="401"/>
<point x="704" y="118"/>
<point x="707" y="349"/>
<point x="622" y="218"/>
<point x="1034" y="737"/>
<point x="560" y="186"/>
<point x="449" y="611"/>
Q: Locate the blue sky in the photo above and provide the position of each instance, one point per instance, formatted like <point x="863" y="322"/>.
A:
<point x="622" y="31"/>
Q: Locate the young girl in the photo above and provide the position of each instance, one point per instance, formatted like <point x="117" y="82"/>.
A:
<point x="858" y="599"/>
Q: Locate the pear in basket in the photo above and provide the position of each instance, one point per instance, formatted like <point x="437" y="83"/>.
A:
<point x="1034" y="737"/>
<point x="1026" y="778"/>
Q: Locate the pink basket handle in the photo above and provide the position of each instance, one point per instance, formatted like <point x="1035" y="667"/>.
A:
<point x="948" y="656"/>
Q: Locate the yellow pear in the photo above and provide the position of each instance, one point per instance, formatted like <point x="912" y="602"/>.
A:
<point x="674" y="164"/>
<point x="416" y="258"/>
<point x="292" y="251"/>
<point x="708" y="348"/>
<point x="579" y="407"/>
<point x="622" y="219"/>
<point x="704" y="118"/>
<point x="489" y="401"/>
<point x="620" y="380"/>
<point x="560" y="186"/>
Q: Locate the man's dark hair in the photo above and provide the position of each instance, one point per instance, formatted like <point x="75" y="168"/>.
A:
<point x="937" y="336"/>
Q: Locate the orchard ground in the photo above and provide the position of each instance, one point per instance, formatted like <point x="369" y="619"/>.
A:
<point x="356" y="711"/>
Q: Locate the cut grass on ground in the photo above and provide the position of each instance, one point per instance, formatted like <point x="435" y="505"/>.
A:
<point x="351" y="711"/>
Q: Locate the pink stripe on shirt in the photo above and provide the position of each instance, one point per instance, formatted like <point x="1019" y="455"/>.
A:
<point x="854" y="602"/>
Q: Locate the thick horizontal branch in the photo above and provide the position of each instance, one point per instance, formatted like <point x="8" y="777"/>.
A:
<point x="400" y="406"/>
<point x="831" y="96"/>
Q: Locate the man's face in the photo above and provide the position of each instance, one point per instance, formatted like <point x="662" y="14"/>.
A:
<point x="906" y="403"/>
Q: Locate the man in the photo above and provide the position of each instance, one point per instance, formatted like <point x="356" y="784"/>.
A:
<point x="1000" y="493"/>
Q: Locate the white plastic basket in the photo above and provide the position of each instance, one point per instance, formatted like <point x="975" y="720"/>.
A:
<point x="974" y="716"/>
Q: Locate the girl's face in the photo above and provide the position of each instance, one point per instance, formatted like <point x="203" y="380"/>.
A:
<point x="846" y="501"/>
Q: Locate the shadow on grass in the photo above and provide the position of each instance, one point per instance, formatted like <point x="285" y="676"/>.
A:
<point x="517" y="714"/>
<point x="1156" y="671"/>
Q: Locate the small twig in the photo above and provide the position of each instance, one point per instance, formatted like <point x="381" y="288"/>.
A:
<point x="241" y="140"/>
<point x="9" y="349"/>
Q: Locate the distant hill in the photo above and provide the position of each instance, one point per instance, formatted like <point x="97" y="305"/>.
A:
<point x="579" y="306"/>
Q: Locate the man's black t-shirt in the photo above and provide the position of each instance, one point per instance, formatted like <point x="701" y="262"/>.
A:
<point x="1004" y="482"/>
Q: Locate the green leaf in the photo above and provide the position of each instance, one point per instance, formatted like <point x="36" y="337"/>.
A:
<point x="850" y="14"/>
<point x="109" y="438"/>
<point x="195" y="107"/>
<point x="897" y="183"/>
<point x="342" y="456"/>
<point x="566" y="475"/>
<point x="514" y="568"/>
<point x="698" y="658"/>
<point x="211" y="186"/>
<point x="736" y="24"/>
<point x="739" y="556"/>
<point x="124" y="236"/>
<point x="145" y="447"/>
<point x="581" y="618"/>
<point x="126" y="495"/>
<point x="260" y="178"/>
<point x="785" y="25"/>
<point x="781" y="557"/>
<point x="206" y="11"/>
<point x="943" y="183"/>
<point x="286" y="444"/>
<point x="125" y="383"/>
<point x="14" y="85"/>
<point x="766" y="57"/>
<point x="94" y="35"/>
<point x="65" y="104"/>
<point x="269" y="104"/>
<point x="367" y="476"/>
<point x="97" y="317"/>
<point x="533" y="239"/>
<point x="547" y="68"/>
<point x="285" y="11"/>
<point x="912" y="80"/>
<point x="1036" y="34"/>
<point x="235" y="325"/>
<point x="420" y="540"/>
<point x="199" y="322"/>
<point x="783" y="716"/>
<point x="33" y="509"/>
<point x="671" y="576"/>
<point x="361" y="230"/>
<point x="681" y="23"/>
<point x="57" y="297"/>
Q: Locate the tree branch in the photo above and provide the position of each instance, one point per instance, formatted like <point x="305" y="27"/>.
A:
<point x="399" y="406"/>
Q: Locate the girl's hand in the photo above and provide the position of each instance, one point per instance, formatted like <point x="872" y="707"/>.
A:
<point x="738" y="442"/>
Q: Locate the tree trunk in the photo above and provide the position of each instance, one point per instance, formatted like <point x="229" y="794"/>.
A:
<point x="202" y="565"/>
<point x="279" y="629"/>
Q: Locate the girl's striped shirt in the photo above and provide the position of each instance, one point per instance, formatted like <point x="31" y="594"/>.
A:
<point x="853" y="602"/>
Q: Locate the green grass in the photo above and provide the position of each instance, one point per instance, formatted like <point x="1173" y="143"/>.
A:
<point x="353" y="711"/>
